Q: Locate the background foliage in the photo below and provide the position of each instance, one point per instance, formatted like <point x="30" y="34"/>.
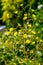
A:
<point x="22" y="41"/>
<point x="13" y="11"/>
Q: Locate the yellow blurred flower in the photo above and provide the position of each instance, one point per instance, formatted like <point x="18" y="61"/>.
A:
<point x="19" y="24"/>
<point x="21" y="4"/>
<point x="11" y="29"/>
<point x="20" y="31"/>
<point x="24" y="18"/>
<point x="7" y="33"/>
<point x="33" y="10"/>
<point x="24" y="35"/>
<point x="31" y="51"/>
<point x="18" y="1"/>
<point x="37" y="38"/>
<point x="41" y="40"/>
<point x="33" y="42"/>
<point x="17" y="42"/>
<point x="25" y="15"/>
<point x="29" y="25"/>
<point x="15" y="33"/>
<point x="25" y="59"/>
<point x="30" y="61"/>
<point x="16" y="12"/>
<point x="11" y="42"/>
<point x="20" y="62"/>
<point x="14" y="63"/>
<point x="28" y="41"/>
<point x="39" y="64"/>
<point x="33" y="32"/>
<point x="33" y="15"/>
<point x="6" y="42"/>
<point x="29" y="30"/>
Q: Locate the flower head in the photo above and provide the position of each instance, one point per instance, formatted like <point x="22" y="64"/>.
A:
<point x="39" y="64"/>
<point x="28" y="41"/>
<point x="15" y="33"/>
<point x="16" y="12"/>
<point x="33" y="10"/>
<point x="17" y="42"/>
<point x="33" y="32"/>
<point x="25" y="14"/>
<point x="11" y="29"/>
<point x="31" y="51"/>
<point x="21" y="4"/>
<point x="24" y="18"/>
<point x="33" y="15"/>
<point x="29" y="25"/>
<point x="24" y="35"/>
<point x="7" y="33"/>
